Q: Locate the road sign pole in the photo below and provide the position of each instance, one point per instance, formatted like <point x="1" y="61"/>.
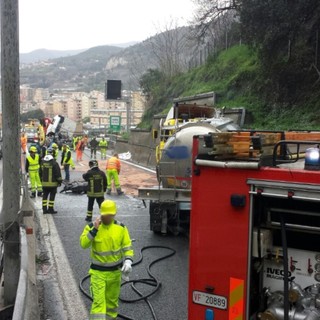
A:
<point x="11" y="145"/>
<point x="128" y="104"/>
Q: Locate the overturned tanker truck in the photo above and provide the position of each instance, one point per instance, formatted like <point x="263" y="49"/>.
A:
<point x="170" y="200"/>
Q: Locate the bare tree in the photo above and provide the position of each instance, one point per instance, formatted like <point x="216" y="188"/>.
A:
<point x="168" y="48"/>
<point x="210" y="13"/>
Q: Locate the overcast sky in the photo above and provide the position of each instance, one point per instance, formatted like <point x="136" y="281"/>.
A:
<point x="80" y="24"/>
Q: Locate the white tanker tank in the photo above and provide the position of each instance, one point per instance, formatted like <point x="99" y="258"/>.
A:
<point x="174" y="167"/>
<point x="170" y="201"/>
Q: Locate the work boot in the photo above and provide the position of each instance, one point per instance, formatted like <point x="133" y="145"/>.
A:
<point x="88" y="219"/>
<point x="108" y="191"/>
<point x="120" y="192"/>
<point x="33" y="195"/>
<point x="39" y="193"/>
<point x="44" y="210"/>
<point x="52" y="211"/>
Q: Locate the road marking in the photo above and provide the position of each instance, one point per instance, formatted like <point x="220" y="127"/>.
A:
<point x="71" y="294"/>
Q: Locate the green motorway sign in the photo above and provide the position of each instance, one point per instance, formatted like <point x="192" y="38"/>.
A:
<point x="115" y="123"/>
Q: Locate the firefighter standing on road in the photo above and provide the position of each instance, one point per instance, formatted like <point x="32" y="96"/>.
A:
<point x="97" y="186"/>
<point x="111" y="254"/>
<point x="66" y="161"/>
<point x="103" y="144"/>
<point x="33" y="168"/>
<point x="113" y="171"/>
<point x="51" y="179"/>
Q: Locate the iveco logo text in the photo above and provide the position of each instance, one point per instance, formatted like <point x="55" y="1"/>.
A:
<point x="277" y="274"/>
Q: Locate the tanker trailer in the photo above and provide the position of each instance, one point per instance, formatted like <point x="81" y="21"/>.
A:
<point x="170" y="201"/>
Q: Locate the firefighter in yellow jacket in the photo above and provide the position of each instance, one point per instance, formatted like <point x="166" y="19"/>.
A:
<point x="111" y="254"/>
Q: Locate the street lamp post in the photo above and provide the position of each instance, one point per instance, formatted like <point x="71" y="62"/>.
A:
<point x="128" y="109"/>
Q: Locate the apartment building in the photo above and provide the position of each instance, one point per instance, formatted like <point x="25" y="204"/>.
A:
<point x="130" y="110"/>
<point x="79" y="105"/>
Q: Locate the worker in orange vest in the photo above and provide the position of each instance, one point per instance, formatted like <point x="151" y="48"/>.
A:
<point x="23" y="142"/>
<point x="113" y="171"/>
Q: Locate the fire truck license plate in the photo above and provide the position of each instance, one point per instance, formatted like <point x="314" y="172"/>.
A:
<point x="210" y="300"/>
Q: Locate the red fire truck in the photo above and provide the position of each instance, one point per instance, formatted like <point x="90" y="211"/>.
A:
<point x="255" y="226"/>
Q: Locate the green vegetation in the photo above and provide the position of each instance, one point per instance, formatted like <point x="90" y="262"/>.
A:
<point x="274" y="74"/>
<point x="237" y="77"/>
<point x="33" y="114"/>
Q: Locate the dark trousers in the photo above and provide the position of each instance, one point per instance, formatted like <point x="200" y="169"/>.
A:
<point x="67" y="171"/>
<point x="49" y="194"/>
<point x="91" y="202"/>
<point x="93" y="152"/>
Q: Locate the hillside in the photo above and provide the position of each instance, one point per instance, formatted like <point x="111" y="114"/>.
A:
<point x="90" y="69"/>
<point x="78" y="71"/>
<point x="236" y="76"/>
<point x="45" y="54"/>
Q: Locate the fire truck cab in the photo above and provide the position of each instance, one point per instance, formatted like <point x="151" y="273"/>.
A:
<point x="255" y="226"/>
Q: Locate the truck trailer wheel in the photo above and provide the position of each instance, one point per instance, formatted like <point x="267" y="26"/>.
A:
<point x="163" y="217"/>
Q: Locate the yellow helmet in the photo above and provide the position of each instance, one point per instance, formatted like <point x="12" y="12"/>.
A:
<point x="54" y="146"/>
<point x="33" y="149"/>
<point x="108" y="207"/>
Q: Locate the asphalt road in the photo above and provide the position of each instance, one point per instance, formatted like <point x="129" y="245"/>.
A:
<point x="170" y="302"/>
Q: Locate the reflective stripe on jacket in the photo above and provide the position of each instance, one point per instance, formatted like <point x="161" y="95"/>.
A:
<point x="33" y="164"/>
<point x="67" y="158"/>
<point x="97" y="182"/>
<point x="110" y="245"/>
<point x="103" y="144"/>
<point x="51" y="174"/>
<point x="113" y="163"/>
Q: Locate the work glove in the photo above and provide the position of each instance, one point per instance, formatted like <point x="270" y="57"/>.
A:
<point x="126" y="269"/>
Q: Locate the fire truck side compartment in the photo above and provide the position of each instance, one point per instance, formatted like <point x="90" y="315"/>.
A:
<point x="238" y="249"/>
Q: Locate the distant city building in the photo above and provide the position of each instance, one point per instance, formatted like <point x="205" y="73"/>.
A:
<point x="79" y="105"/>
<point x="41" y="94"/>
<point x="130" y="109"/>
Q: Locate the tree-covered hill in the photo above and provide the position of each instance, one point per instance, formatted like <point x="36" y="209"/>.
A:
<point x="265" y="57"/>
<point x="237" y="77"/>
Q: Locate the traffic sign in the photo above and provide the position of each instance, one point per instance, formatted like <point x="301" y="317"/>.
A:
<point x="115" y="123"/>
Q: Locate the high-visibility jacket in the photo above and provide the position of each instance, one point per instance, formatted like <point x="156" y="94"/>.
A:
<point x="97" y="182"/>
<point x="113" y="163"/>
<point x="103" y="144"/>
<point x="110" y="245"/>
<point x="51" y="173"/>
<point x="66" y="158"/>
<point x="55" y="153"/>
<point x="74" y="142"/>
<point x="33" y="164"/>
<point x="41" y="135"/>
<point x="24" y="141"/>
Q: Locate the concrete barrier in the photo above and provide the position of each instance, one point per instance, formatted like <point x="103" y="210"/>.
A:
<point x="19" y="311"/>
<point x="141" y="146"/>
<point x="26" y="305"/>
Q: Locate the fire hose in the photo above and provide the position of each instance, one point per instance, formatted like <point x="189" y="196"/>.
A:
<point x="152" y="281"/>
